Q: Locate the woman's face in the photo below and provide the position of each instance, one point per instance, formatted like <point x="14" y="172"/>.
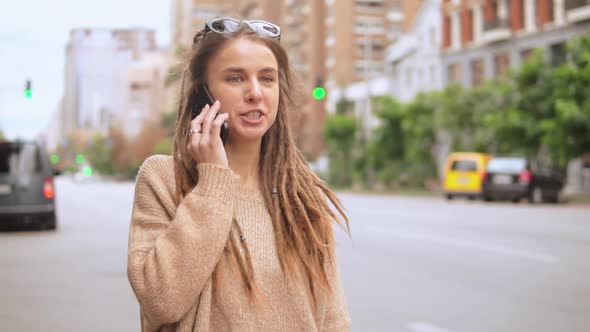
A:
<point x="244" y="77"/>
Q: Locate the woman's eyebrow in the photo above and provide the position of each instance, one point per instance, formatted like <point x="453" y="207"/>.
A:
<point x="242" y="70"/>
<point x="268" y="70"/>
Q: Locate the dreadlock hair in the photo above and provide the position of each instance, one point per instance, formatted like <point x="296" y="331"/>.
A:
<point x="301" y="215"/>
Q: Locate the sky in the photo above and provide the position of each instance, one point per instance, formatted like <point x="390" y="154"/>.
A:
<point x="33" y="36"/>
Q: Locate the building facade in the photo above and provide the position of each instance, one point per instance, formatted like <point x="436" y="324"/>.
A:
<point x="97" y="69"/>
<point x="330" y="43"/>
<point x="482" y="39"/>
<point x="413" y="61"/>
<point x="301" y="23"/>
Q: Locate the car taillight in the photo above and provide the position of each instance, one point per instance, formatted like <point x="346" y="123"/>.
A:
<point x="48" y="190"/>
<point x="525" y="177"/>
<point x="484" y="176"/>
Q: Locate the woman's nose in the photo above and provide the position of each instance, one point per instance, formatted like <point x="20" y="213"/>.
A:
<point x="253" y="92"/>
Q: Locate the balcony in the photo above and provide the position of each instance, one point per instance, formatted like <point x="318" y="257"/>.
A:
<point x="496" y="30"/>
<point x="577" y="10"/>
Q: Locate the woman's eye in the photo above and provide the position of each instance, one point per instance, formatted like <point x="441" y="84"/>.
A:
<point x="268" y="79"/>
<point x="234" y="79"/>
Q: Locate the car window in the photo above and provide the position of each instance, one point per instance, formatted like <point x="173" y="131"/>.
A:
<point x="18" y="158"/>
<point x="30" y="159"/>
<point x="464" y="165"/>
<point x="506" y="165"/>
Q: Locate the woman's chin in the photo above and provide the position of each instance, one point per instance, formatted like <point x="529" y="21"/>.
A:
<point x="249" y="136"/>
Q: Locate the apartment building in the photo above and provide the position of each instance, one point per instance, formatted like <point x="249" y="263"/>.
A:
<point x="96" y="75"/>
<point x="483" y="38"/>
<point x="414" y="59"/>
<point x="330" y="43"/>
<point x="190" y="16"/>
<point x="302" y="25"/>
<point x="359" y="32"/>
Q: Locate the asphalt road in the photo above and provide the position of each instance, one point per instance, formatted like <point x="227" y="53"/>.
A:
<point x="413" y="264"/>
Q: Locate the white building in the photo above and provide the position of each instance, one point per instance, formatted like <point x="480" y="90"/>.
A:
<point x="413" y="65"/>
<point x="143" y="94"/>
<point x="96" y="74"/>
<point x="414" y="61"/>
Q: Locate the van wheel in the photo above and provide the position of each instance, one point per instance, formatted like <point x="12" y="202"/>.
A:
<point x="51" y="223"/>
<point x="449" y="197"/>
<point x="553" y="198"/>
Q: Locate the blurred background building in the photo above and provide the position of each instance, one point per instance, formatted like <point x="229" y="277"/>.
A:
<point x="112" y="78"/>
<point x="483" y="39"/>
<point x="355" y="49"/>
<point x="330" y="43"/>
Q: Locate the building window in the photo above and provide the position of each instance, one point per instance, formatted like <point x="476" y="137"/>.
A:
<point x="467" y="26"/>
<point x="501" y="64"/>
<point x="446" y="31"/>
<point x="369" y="25"/>
<point x="558" y="54"/>
<point x="526" y="54"/>
<point x="477" y="71"/>
<point x="369" y="4"/>
<point x="455" y="73"/>
<point x="544" y="11"/>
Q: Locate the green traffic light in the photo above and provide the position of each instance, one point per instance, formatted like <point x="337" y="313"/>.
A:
<point x="28" y="90"/>
<point x="87" y="171"/>
<point x="79" y="159"/>
<point x="54" y="159"/>
<point x="319" y="93"/>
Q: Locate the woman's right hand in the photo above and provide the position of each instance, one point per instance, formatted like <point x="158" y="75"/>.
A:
<point x="205" y="144"/>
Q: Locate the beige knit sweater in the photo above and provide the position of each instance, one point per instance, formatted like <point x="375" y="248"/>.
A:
<point x="173" y="251"/>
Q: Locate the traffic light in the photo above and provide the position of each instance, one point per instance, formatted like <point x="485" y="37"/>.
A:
<point x="319" y="92"/>
<point x="87" y="171"/>
<point x="28" y="90"/>
<point x="80" y="159"/>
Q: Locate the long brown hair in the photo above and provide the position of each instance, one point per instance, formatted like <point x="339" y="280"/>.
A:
<point x="302" y="217"/>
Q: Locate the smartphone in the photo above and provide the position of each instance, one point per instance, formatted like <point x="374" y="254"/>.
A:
<point x="203" y="98"/>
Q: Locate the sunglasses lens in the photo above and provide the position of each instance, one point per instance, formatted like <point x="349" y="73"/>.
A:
<point x="264" y="28"/>
<point x="225" y="25"/>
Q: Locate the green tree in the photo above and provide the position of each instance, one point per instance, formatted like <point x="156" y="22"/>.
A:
<point x="339" y="133"/>
<point x="534" y="86"/>
<point x="385" y="152"/>
<point x="98" y="153"/>
<point x="419" y="133"/>
<point x="567" y="133"/>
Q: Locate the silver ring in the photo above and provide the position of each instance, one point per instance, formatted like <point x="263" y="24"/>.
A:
<point x="192" y="131"/>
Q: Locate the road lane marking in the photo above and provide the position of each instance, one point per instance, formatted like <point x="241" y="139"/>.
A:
<point x="499" y="249"/>
<point x="425" y="327"/>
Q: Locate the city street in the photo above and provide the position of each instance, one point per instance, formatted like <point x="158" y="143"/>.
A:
<point x="413" y="264"/>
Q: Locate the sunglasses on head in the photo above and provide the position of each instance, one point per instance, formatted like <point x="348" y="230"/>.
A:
<point x="230" y="25"/>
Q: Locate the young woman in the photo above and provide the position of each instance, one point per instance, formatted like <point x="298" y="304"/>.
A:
<point x="235" y="237"/>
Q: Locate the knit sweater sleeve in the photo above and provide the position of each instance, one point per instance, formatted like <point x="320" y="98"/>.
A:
<point x="174" y="250"/>
<point x="337" y="316"/>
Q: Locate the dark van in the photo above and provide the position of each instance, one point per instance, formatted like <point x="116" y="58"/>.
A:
<point x="27" y="191"/>
<point x="515" y="178"/>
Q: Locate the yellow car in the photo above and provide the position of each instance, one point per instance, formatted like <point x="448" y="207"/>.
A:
<point x="464" y="174"/>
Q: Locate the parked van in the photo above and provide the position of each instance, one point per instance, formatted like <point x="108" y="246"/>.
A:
<point x="464" y="174"/>
<point x="27" y="193"/>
